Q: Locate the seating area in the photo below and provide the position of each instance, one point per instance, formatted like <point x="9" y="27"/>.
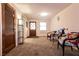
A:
<point x="64" y="39"/>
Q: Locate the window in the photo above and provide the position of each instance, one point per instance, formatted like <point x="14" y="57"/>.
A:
<point x="32" y="26"/>
<point x="20" y="22"/>
<point x="42" y="25"/>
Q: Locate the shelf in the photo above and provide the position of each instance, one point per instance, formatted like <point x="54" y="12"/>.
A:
<point x="20" y="33"/>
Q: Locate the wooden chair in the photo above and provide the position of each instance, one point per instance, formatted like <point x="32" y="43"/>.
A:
<point x="51" y="35"/>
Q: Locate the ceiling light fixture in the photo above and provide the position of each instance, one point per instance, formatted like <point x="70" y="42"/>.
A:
<point x="43" y="14"/>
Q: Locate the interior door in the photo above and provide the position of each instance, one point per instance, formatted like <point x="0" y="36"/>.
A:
<point x="32" y="28"/>
<point x="8" y="35"/>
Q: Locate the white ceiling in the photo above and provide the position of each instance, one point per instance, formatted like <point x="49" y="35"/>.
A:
<point x="34" y="9"/>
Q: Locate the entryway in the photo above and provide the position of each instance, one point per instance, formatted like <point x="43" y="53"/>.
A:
<point x="32" y="29"/>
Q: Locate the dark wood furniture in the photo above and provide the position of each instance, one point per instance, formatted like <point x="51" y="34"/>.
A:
<point x="8" y="30"/>
<point x="49" y="35"/>
<point x="52" y="35"/>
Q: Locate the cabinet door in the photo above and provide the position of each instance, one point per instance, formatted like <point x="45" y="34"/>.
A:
<point x="8" y="15"/>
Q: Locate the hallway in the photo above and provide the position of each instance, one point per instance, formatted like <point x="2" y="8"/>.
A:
<point x="36" y="20"/>
<point x="40" y="47"/>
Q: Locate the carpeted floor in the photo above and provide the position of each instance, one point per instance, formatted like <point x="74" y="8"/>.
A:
<point x="40" y="47"/>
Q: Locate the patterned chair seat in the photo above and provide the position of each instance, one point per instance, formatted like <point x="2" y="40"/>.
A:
<point x="68" y="42"/>
<point x="71" y="41"/>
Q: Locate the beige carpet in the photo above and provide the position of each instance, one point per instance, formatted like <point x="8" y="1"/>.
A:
<point x="40" y="47"/>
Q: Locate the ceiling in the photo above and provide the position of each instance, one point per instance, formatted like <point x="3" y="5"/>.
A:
<point x="33" y="10"/>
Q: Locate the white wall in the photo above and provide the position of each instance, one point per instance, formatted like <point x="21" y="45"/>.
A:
<point x="68" y="18"/>
<point x="0" y="30"/>
<point x="18" y="16"/>
<point x="26" y="29"/>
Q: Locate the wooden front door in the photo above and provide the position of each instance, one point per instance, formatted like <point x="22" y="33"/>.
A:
<point x="32" y="28"/>
<point x="8" y="32"/>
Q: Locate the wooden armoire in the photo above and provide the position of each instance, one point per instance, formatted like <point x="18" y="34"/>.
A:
<point x="8" y="28"/>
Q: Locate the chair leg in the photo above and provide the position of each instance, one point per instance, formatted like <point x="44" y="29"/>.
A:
<point x="63" y="49"/>
<point x="58" y="45"/>
<point x="71" y="48"/>
<point x="53" y="39"/>
<point x="50" y="38"/>
<point x="77" y="47"/>
<point x="47" y="37"/>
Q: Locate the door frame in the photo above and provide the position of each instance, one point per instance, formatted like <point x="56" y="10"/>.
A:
<point x="35" y="27"/>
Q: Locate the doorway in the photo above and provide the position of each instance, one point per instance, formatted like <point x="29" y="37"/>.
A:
<point x="32" y="28"/>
